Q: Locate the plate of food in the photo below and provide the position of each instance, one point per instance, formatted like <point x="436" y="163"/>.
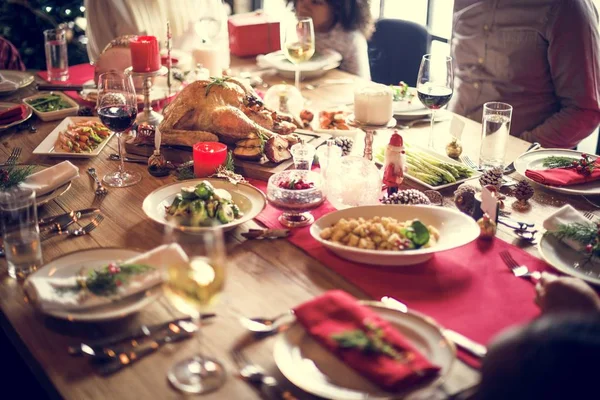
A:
<point x="546" y="159"/>
<point x="333" y="122"/>
<point x="406" y="104"/>
<point x="75" y="137"/>
<point x="203" y="204"/>
<point x="393" y="235"/>
<point x="117" y="283"/>
<point x="51" y="106"/>
<point x="431" y="169"/>
<point x="309" y="365"/>
<point x="317" y="66"/>
<point x="22" y="115"/>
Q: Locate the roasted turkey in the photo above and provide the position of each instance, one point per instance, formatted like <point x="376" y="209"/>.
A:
<point x="227" y="110"/>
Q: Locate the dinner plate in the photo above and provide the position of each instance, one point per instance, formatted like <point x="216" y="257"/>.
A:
<point x="409" y="105"/>
<point x="249" y="199"/>
<point x="568" y="261"/>
<point x="22" y="79"/>
<point x="317" y="66"/>
<point x="59" y="191"/>
<point x="46" y="148"/>
<point x="534" y="160"/>
<point x="455" y="228"/>
<point x="71" y="264"/>
<point x="312" y="368"/>
<point x="4" y="106"/>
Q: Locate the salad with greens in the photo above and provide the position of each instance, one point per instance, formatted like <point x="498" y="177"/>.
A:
<point x="49" y="103"/>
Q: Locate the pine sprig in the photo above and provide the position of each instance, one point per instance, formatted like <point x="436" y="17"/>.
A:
<point x="215" y="82"/>
<point x="587" y="234"/>
<point x="12" y="175"/>
<point x="558" y="162"/>
<point x="229" y="162"/>
<point x="106" y="281"/>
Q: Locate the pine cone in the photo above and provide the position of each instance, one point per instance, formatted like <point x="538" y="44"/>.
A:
<point x="492" y="177"/>
<point x="464" y="198"/>
<point x="345" y="143"/>
<point x="85" y="112"/>
<point x="407" y="196"/>
<point x="523" y="191"/>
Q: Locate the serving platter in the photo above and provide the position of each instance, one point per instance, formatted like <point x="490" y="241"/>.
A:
<point x="307" y="364"/>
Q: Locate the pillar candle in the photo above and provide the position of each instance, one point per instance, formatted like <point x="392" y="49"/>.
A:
<point x="210" y="56"/>
<point x="207" y="158"/>
<point x="145" y="56"/>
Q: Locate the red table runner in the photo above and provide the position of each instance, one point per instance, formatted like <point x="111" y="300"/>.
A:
<point x="468" y="289"/>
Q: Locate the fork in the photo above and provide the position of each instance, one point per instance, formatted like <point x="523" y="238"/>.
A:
<point x="100" y="190"/>
<point x="14" y="156"/>
<point x="520" y="271"/>
<point x="589" y="215"/>
<point x="470" y="163"/>
<point x="256" y="376"/>
<point x="79" y="231"/>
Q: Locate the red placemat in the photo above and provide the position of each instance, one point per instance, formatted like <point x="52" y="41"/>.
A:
<point x="469" y="289"/>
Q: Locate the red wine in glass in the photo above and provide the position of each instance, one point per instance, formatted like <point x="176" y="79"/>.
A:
<point x="117" y="118"/>
<point x="435" y="97"/>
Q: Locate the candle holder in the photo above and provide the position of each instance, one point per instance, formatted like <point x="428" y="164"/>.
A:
<point x="369" y="131"/>
<point x="148" y="116"/>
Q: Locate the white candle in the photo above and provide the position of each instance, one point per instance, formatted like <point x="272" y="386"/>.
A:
<point x="373" y="105"/>
<point x="210" y="57"/>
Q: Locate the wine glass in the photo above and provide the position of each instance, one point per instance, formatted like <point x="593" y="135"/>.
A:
<point x="435" y="85"/>
<point x="192" y="287"/>
<point x="298" y="42"/>
<point x="117" y="109"/>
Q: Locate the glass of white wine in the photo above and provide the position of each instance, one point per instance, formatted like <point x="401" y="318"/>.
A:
<point x="298" y="42"/>
<point x="192" y="287"/>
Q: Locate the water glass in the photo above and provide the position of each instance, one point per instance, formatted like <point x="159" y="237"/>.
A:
<point x="303" y="154"/>
<point x="495" y="133"/>
<point x="20" y="232"/>
<point x="57" y="61"/>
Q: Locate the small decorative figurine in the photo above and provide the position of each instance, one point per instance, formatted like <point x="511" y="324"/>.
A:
<point x="157" y="164"/>
<point x="394" y="164"/>
<point x="454" y="148"/>
<point x="487" y="226"/>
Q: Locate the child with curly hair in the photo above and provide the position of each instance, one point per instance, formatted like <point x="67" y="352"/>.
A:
<point x="343" y="26"/>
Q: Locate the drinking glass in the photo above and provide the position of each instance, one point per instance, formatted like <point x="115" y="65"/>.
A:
<point x="193" y="287"/>
<point x="495" y="132"/>
<point x="298" y="42"/>
<point x="57" y="62"/>
<point x="435" y="84"/>
<point x="117" y="109"/>
<point x="20" y="231"/>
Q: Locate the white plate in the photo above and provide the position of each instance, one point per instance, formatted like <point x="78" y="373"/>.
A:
<point x="568" y="261"/>
<point x="306" y="364"/>
<point x="317" y="66"/>
<point x="53" y="115"/>
<point x="46" y="148"/>
<point x="22" y="79"/>
<point x="70" y="264"/>
<point x="4" y="106"/>
<point x="249" y="199"/>
<point x="59" y="191"/>
<point x="456" y="230"/>
<point x="534" y="160"/>
<point x="406" y="107"/>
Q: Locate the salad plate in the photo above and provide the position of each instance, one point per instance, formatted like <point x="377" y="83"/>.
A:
<point x="306" y="364"/>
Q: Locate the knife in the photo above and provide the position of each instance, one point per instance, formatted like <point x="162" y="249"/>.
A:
<point x="469" y="345"/>
<point x="177" y="332"/>
<point x="65" y="218"/>
<point x="510" y="168"/>
<point x="62" y="88"/>
<point x="98" y="347"/>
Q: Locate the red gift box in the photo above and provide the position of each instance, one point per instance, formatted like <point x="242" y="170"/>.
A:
<point x="254" y="33"/>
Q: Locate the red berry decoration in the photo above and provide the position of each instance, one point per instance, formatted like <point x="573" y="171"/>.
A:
<point x="588" y="248"/>
<point x="3" y="176"/>
<point x="296" y="185"/>
<point x="114" y="268"/>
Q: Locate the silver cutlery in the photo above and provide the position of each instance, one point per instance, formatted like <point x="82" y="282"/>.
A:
<point x="61" y="219"/>
<point x="469" y="345"/>
<point x="14" y="156"/>
<point x="470" y="163"/>
<point x="115" y="157"/>
<point x="79" y="231"/>
<point x="328" y="82"/>
<point x="256" y="375"/>
<point x="589" y="215"/>
<point x="265" y="325"/>
<point x="520" y="271"/>
<point x="100" y="190"/>
<point x="510" y="168"/>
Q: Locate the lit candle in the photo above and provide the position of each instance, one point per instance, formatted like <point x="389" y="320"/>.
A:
<point x="207" y="158"/>
<point x="373" y="105"/>
<point x="145" y="56"/>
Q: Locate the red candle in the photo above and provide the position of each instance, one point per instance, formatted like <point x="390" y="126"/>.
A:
<point x="145" y="56"/>
<point x="207" y="158"/>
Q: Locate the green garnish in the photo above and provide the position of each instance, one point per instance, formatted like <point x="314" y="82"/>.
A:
<point x="52" y="102"/>
<point x="11" y="175"/>
<point x="215" y="82"/>
<point x="558" y="162"/>
<point x="420" y="234"/>
<point x="106" y="280"/>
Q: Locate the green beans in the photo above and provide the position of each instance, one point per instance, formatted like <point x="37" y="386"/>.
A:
<point x="49" y="103"/>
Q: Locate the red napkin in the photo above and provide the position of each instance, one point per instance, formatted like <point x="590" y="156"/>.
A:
<point x="336" y="312"/>
<point x="563" y="176"/>
<point x="12" y="114"/>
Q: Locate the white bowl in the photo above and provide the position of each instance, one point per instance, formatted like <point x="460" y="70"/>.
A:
<point x="53" y="115"/>
<point x="456" y="230"/>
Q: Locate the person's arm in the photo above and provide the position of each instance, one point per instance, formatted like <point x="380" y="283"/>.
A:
<point x="356" y="59"/>
<point x="574" y="59"/>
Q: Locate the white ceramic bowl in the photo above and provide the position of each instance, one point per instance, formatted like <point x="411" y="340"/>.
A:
<point x="456" y="230"/>
<point x="53" y="115"/>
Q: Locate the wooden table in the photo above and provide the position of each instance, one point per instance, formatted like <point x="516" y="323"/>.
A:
<point x="264" y="277"/>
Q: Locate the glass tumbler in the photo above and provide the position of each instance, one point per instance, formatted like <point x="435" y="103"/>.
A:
<point x="57" y="61"/>
<point x="20" y="232"/>
<point x="495" y="133"/>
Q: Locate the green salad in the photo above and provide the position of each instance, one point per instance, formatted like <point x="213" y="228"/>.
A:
<point x="49" y="103"/>
<point x="203" y="205"/>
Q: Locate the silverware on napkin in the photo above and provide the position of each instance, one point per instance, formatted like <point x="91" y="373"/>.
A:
<point x="510" y="168"/>
<point x="469" y="345"/>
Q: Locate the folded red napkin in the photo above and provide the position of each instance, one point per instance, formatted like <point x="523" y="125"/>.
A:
<point x="334" y="314"/>
<point x="12" y="114"/>
<point x="563" y="176"/>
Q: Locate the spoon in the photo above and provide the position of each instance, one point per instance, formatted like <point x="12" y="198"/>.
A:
<point x="264" y="325"/>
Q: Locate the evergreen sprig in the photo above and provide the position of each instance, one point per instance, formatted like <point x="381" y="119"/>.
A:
<point x="106" y="281"/>
<point x="558" y="162"/>
<point x="215" y="82"/>
<point x="587" y="234"/>
<point x="12" y="175"/>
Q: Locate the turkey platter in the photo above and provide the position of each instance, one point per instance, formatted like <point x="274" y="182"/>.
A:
<point x="229" y="111"/>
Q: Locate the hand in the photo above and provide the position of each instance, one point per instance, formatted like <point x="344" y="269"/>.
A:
<point x="564" y="294"/>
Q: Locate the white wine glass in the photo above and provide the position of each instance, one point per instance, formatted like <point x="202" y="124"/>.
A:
<point x="192" y="287"/>
<point x="435" y="85"/>
<point x="298" y="42"/>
